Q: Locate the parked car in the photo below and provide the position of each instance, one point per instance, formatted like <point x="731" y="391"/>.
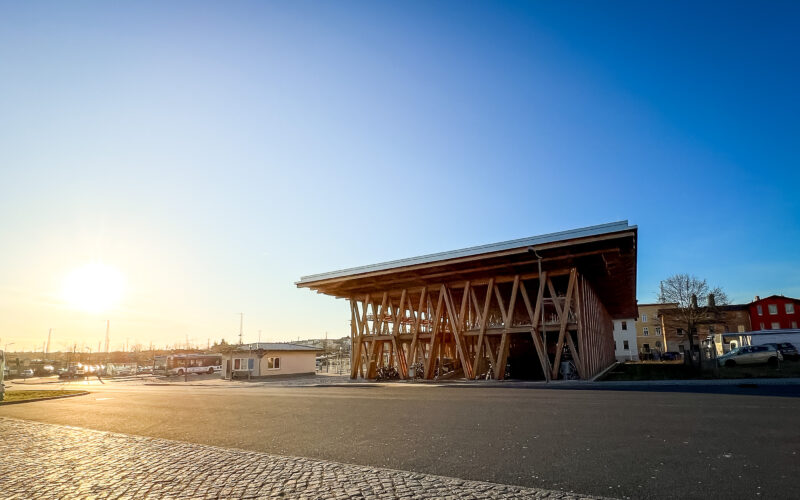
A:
<point x="789" y="351"/>
<point x="66" y="374"/>
<point x="123" y="371"/>
<point x="751" y="355"/>
<point x="27" y="373"/>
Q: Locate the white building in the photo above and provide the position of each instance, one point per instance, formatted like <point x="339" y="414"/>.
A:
<point x="269" y="359"/>
<point x="625" y="348"/>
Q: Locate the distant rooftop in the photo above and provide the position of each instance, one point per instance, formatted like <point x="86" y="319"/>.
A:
<point x="276" y="346"/>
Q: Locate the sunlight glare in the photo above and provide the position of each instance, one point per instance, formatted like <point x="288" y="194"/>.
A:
<point x="94" y="287"/>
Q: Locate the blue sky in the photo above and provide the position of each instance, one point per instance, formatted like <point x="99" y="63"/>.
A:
<point x="215" y="152"/>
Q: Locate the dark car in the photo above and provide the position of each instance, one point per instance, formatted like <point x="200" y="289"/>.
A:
<point x="788" y="350"/>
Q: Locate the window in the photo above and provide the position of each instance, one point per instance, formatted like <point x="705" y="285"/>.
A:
<point x="680" y="331"/>
<point x="624" y="344"/>
<point x="243" y="364"/>
<point x="711" y="330"/>
<point x="645" y="332"/>
<point x="760" y="311"/>
<point x="794" y="324"/>
<point x="789" y="308"/>
<point x="658" y="331"/>
<point x="644" y="317"/>
<point x="646" y="347"/>
<point x="740" y="329"/>
<point x="624" y="325"/>
<point x="761" y="325"/>
<point x="773" y="309"/>
<point x="273" y="363"/>
<point x="775" y="325"/>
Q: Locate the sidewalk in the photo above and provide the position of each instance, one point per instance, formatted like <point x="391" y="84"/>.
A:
<point x="47" y="461"/>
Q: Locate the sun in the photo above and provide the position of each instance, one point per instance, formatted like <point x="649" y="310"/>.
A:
<point x="94" y="287"/>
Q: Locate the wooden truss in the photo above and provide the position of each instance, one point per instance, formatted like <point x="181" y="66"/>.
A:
<point x="470" y="325"/>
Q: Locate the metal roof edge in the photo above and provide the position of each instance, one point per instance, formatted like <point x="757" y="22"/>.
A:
<point x="607" y="228"/>
<point x="783" y="331"/>
<point x="290" y="345"/>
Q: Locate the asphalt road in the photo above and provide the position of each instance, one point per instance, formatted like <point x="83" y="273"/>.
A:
<point x="739" y="444"/>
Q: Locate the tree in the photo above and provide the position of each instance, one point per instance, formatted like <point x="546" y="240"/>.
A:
<point x="696" y="301"/>
<point x="223" y="347"/>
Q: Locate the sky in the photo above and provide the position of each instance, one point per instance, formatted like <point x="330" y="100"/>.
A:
<point x="212" y="153"/>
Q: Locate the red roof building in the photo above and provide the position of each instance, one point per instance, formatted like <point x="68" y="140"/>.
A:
<point x="774" y="312"/>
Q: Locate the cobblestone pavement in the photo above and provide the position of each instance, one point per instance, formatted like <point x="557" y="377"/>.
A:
<point x="46" y="461"/>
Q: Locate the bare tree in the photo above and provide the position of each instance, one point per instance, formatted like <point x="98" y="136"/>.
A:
<point x="695" y="300"/>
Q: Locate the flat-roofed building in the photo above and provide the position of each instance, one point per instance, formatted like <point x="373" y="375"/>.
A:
<point x="269" y="359"/>
<point x="532" y="308"/>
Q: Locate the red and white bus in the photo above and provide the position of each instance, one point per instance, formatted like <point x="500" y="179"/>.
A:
<point x="178" y="364"/>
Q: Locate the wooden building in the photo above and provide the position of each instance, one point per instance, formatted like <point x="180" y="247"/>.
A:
<point x="533" y="308"/>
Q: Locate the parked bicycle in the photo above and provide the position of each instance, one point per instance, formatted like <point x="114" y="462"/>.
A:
<point x="387" y="373"/>
<point x="418" y="371"/>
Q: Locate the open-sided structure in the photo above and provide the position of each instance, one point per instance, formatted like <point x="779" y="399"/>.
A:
<point x="533" y="308"/>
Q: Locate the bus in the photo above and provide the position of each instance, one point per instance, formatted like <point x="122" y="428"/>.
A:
<point x="178" y="364"/>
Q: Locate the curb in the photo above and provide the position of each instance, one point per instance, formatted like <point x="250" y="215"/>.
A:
<point x="179" y="384"/>
<point x="602" y="374"/>
<point x="583" y="384"/>
<point x="5" y="403"/>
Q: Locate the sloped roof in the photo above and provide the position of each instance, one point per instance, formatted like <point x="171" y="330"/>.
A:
<point x="762" y="299"/>
<point x="605" y="254"/>
<point x="532" y="241"/>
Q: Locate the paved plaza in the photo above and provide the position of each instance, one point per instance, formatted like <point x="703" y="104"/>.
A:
<point x="53" y="461"/>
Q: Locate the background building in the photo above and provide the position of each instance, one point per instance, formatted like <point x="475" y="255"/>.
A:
<point x="625" y="348"/>
<point x="774" y="312"/>
<point x="716" y="321"/>
<point x="650" y="338"/>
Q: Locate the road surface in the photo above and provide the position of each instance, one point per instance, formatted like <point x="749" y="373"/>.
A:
<point x="602" y="442"/>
